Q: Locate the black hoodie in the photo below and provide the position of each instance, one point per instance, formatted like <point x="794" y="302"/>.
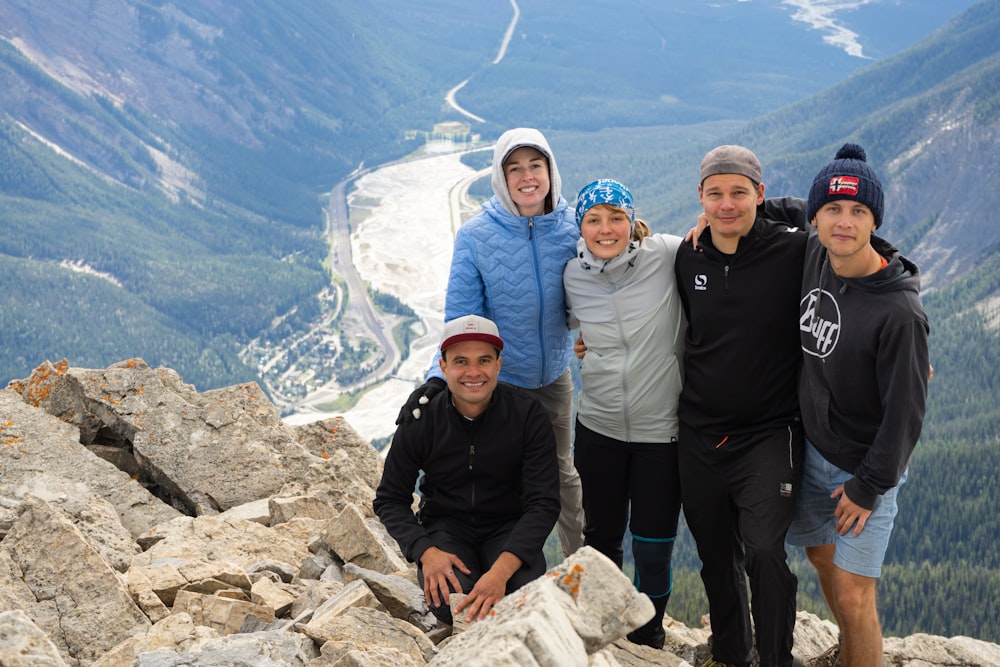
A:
<point x="863" y="386"/>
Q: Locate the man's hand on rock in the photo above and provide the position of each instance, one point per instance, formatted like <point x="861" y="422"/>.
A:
<point x="438" y="568"/>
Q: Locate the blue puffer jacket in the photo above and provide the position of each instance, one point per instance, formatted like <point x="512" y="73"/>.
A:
<point x="509" y="268"/>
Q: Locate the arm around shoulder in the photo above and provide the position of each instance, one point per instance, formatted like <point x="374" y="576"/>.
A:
<point x="539" y="484"/>
<point x="789" y="210"/>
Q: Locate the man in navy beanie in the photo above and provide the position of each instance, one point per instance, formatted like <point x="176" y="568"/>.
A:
<point x="862" y="393"/>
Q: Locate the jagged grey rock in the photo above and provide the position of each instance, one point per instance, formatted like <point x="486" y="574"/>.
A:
<point x="42" y="457"/>
<point x="934" y="650"/>
<point x="181" y="439"/>
<point x="176" y="633"/>
<point x="313" y="597"/>
<point x="401" y="597"/>
<point x="361" y="628"/>
<point x="533" y="628"/>
<point x="141" y="589"/>
<point x="334" y="439"/>
<point x="256" y="510"/>
<point x="79" y="600"/>
<point x="315" y="565"/>
<point x="23" y="644"/>
<point x="267" y="593"/>
<point x="575" y="610"/>
<point x="605" y="605"/>
<point x="114" y="575"/>
<point x="372" y="657"/>
<point x="354" y="594"/>
<point x="355" y="539"/>
<point x="281" y="510"/>
<point x="222" y="614"/>
<point x="212" y="538"/>
<point x="257" y="649"/>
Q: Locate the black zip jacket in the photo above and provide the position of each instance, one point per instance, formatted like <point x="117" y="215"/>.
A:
<point x="495" y="469"/>
<point x="741" y="348"/>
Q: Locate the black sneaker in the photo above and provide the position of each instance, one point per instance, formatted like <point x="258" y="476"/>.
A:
<point x="644" y="636"/>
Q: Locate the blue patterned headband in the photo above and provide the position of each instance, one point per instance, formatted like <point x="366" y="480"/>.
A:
<point x="604" y="191"/>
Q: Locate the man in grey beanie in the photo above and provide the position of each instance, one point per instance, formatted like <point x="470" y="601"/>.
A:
<point x="740" y="439"/>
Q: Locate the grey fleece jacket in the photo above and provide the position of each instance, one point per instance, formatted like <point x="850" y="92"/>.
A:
<point x="629" y="312"/>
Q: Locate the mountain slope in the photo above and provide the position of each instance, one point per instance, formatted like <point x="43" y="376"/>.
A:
<point x="935" y="146"/>
<point x="181" y="149"/>
<point x="928" y="118"/>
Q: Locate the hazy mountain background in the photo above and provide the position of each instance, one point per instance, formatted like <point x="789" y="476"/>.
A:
<point x="163" y="167"/>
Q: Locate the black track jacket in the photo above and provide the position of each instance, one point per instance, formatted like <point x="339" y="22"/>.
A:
<point x="741" y="350"/>
<point x="497" y="468"/>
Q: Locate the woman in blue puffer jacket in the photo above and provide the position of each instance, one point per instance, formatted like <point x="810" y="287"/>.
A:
<point x="507" y="266"/>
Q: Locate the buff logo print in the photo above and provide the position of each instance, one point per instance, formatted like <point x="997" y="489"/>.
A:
<point x="825" y="332"/>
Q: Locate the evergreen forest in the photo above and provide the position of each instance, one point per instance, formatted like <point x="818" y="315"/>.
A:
<point x="177" y="213"/>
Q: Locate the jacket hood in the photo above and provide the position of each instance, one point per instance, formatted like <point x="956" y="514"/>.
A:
<point x="900" y="274"/>
<point x="626" y="259"/>
<point x="506" y="144"/>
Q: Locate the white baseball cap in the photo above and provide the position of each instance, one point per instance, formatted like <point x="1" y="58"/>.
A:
<point x="471" y="327"/>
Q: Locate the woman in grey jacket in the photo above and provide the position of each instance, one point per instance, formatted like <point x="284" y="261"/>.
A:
<point x="621" y="291"/>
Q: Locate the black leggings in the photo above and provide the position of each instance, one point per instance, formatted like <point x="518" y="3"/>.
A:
<point x="622" y="476"/>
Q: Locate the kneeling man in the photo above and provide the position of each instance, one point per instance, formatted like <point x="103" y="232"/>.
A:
<point x="489" y="490"/>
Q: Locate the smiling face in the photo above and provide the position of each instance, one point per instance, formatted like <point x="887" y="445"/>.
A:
<point x="527" y="174"/>
<point x="730" y="202"/>
<point x="471" y="368"/>
<point x="845" y="229"/>
<point x="606" y="230"/>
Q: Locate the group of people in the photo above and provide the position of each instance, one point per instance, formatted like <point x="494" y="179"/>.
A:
<point x="768" y="378"/>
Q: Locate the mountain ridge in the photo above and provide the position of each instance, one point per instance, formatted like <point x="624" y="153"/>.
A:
<point x="197" y="181"/>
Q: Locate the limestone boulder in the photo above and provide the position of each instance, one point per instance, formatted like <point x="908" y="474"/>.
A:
<point x="181" y="439"/>
<point x="143" y="523"/>
<point x="23" y="644"/>
<point x="356" y="539"/>
<point x="77" y="598"/>
<point x="42" y="457"/>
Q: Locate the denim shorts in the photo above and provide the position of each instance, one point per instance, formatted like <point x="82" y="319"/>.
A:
<point x="814" y="524"/>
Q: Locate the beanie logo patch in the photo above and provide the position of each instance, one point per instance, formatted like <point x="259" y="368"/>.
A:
<point x="844" y="186"/>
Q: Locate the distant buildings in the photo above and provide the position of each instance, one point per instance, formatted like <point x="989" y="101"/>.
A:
<point x="449" y="131"/>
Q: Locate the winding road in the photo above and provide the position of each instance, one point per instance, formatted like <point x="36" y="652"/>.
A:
<point x="359" y="306"/>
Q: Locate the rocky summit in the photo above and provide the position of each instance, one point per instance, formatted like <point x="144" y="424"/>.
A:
<point x="146" y="523"/>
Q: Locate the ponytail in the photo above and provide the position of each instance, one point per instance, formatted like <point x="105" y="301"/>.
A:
<point x="640" y="230"/>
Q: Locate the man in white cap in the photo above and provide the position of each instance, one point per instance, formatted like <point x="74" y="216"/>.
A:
<point x="489" y="490"/>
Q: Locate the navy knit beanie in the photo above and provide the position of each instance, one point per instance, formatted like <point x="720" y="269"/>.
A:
<point x="847" y="177"/>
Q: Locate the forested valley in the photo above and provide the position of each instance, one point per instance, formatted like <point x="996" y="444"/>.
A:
<point x="169" y="203"/>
